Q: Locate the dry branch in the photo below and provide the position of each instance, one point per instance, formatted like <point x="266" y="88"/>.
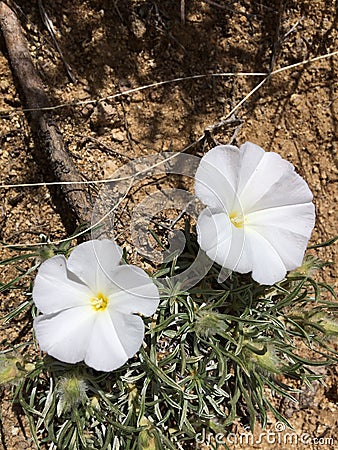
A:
<point x="50" y="152"/>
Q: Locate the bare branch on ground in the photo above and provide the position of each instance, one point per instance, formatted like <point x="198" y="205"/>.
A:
<point x="50" y="152"/>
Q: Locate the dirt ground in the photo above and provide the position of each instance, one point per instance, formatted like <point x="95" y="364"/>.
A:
<point x="115" y="46"/>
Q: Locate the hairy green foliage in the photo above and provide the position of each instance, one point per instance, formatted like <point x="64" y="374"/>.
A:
<point x="210" y="355"/>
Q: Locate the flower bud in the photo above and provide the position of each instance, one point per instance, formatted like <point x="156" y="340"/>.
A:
<point x="330" y="326"/>
<point x="146" y="439"/>
<point x="94" y="402"/>
<point x="72" y="391"/>
<point x="266" y="360"/>
<point x="12" y="368"/>
<point x="325" y="321"/>
<point x="309" y="266"/>
<point x="9" y="369"/>
<point x="46" y="252"/>
<point x="209" y="323"/>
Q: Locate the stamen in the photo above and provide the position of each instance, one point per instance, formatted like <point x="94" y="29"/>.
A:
<point x="237" y="219"/>
<point x="100" y="302"/>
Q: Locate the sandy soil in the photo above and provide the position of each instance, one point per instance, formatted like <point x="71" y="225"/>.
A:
<point x="113" y="47"/>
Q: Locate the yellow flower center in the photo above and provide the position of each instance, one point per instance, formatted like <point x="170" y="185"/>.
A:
<point x="100" y="302"/>
<point x="237" y="219"/>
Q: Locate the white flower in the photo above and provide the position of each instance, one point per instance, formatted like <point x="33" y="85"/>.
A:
<point x="259" y="214"/>
<point x="89" y="303"/>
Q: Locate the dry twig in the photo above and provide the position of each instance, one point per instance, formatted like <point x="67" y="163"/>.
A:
<point x="49" y="151"/>
<point x="49" y="26"/>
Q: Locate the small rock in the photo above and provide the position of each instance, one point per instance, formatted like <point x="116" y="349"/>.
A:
<point x="118" y="136"/>
<point x="87" y="110"/>
<point x="104" y="115"/>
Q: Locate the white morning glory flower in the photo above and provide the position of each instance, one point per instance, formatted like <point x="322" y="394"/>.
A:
<point x="259" y="214"/>
<point x="88" y="306"/>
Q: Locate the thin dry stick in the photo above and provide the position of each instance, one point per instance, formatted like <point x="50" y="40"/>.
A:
<point x="140" y="88"/>
<point x="183" y="12"/>
<point x="161" y="83"/>
<point x="102" y="181"/>
<point x="99" y="222"/>
<point x="110" y="180"/>
<point x="135" y="176"/>
<point x="132" y="177"/>
<point x="49" y="150"/>
<point x="50" y="28"/>
<point x="176" y="80"/>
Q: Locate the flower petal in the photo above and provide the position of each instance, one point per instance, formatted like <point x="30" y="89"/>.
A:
<point x="299" y="218"/>
<point x="214" y="234"/>
<point x="132" y="339"/>
<point x="111" y="345"/>
<point x="135" y="291"/>
<point x="222" y="242"/>
<point x="251" y="156"/>
<point x="267" y="265"/>
<point x="54" y="290"/>
<point x="266" y="175"/>
<point x="94" y="263"/>
<point x="290" y="246"/>
<point x="287" y="229"/>
<point x="217" y="176"/>
<point x="65" y="335"/>
<point x="290" y="189"/>
<point x="266" y="180"/>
